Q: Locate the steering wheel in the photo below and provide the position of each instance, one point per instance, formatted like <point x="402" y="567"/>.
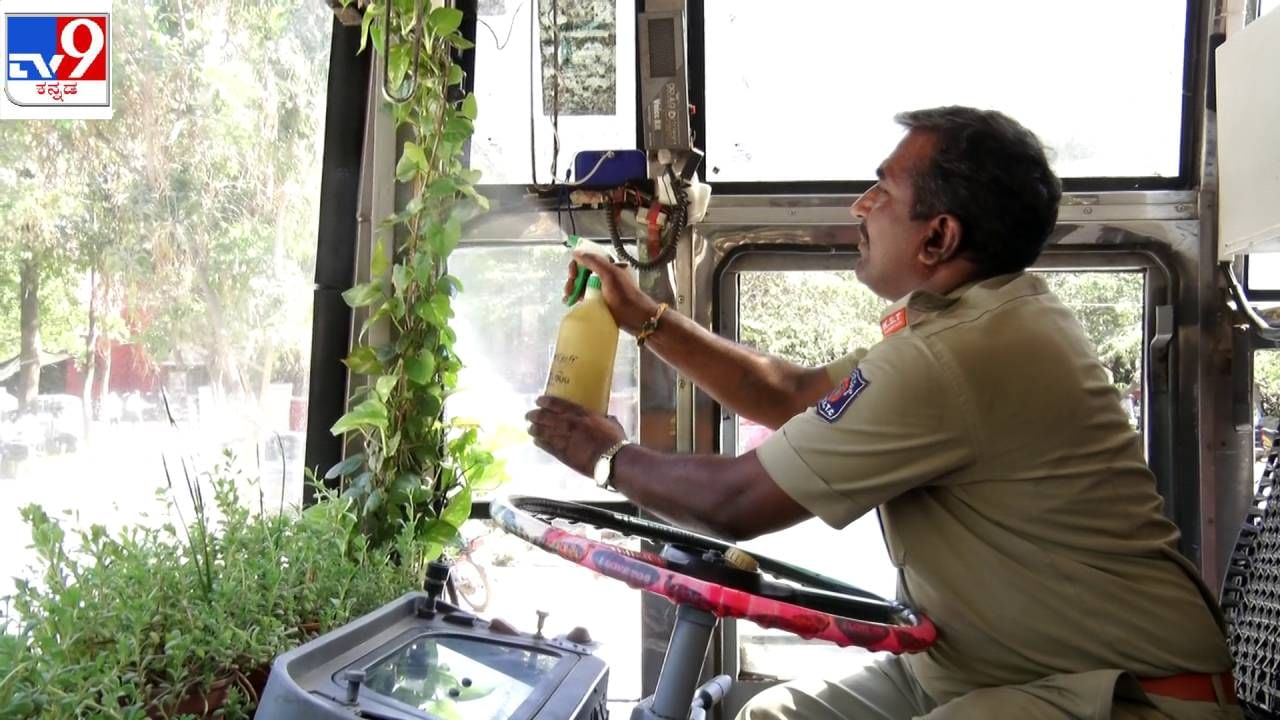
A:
<point x="718" y="578"/>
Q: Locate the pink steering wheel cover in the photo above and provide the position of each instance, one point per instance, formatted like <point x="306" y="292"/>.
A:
<point x="646" y="571"/>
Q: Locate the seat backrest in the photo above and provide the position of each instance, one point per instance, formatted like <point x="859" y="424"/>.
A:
<point x="1251" y="600"/>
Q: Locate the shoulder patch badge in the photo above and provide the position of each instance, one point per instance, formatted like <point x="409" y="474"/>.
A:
<point x="838" y="400"/>
<point x="893" y="322"/>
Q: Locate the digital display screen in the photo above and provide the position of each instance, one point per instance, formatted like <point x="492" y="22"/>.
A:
<point x="662" y="47"/>
<point x="455" y="677"/>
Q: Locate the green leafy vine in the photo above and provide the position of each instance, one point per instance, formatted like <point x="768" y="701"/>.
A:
<point x="418" y="468"/>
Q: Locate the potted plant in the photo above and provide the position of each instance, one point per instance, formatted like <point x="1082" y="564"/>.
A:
<point x="184" y="619"/>
<point x="414" y="467"/>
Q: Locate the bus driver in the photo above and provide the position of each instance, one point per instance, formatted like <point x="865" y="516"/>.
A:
<point x="1014" y="495"/>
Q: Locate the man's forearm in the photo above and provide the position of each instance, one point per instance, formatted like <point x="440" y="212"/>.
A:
<point x="728" y="497"/>
<point x="764" y="389"/>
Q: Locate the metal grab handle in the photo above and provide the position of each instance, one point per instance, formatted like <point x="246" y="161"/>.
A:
<point x="417" y="51"/>
<point x="1266" y="330"/>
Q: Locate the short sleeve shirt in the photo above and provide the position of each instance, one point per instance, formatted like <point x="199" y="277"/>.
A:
<point x="1013" y="492"/>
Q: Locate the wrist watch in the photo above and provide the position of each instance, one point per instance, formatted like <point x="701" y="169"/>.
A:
<point x="603" y="471"/>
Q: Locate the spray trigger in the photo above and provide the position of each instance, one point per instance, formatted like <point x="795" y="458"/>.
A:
<point x="584" y="278"/>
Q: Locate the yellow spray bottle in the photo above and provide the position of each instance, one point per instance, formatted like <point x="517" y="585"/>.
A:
<point x="582" y="364"/>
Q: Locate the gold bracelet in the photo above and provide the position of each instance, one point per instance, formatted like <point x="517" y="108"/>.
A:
<point x="650" y="326"/>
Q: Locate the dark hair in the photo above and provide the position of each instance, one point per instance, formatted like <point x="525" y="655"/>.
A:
<point x="992" y="174"/>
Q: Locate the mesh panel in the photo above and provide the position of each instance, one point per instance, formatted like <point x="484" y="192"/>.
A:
<point x="1251" y="599"/>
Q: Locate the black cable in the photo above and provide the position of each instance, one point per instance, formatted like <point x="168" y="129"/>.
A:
<point x="512" y="26"/>
<point x="675" y="226"/>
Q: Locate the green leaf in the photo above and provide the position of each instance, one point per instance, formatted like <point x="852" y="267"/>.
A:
<point x="445" y="20"/>
<point x="385" y="384"/>
<point x="424" y="268"/>
<point x="378" y="265"/>
<point x="455" y="75"/>
<point x="393" y="444"/>
<point x="460" y="42"/>
<point x="460" y="125"/>
<point x="428" y="314"/>
<point x="385" y="353"/>
<point x="398" y="66"/>
<point x="420" y="369"/>
<point x="414" y="152"/>
<point x="399" y="278"/>
<point x="364" y="361"/>
<point x="439" y="531"/>
<point x="370" y="413"/>
<point x="449" y="285"/>
<point x="442" y="187"/>
<point x="395" y="307"/>
<point x="405" y="168"/>
<point x="458" y="510"/>
<point x="373" y="502"/>
<point x="471" y="176"/>
<point x="369" y="14"/>
<point x="469" y="107"/>
<point x="365" y="294"/>
<point x="442" y="306"/>
<point x="403" y="487"/>
<point x="346" y="467"/>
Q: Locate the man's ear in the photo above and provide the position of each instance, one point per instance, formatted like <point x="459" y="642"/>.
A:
<point x="942" y="241"/>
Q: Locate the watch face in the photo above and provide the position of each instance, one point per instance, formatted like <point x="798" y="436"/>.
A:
<point x="601" y="472"/>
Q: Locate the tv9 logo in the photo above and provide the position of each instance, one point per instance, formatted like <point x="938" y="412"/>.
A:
<point x="57" y="59"/>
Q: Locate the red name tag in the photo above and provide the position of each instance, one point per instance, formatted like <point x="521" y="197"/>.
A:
<point x="894" y="322"/>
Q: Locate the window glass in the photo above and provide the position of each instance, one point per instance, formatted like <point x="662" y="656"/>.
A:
<point x="815" y="317"/>
<point x="161" y="263"/>
<point x="822" y="109"/>
<point x="508" y="316"/>
<point x="596" y="89"/>
<point x="1263" y="271"/>
<point x="1266" y="406"/>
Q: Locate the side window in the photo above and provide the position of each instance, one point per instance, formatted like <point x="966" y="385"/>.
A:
<point x="161" y="266"/>
<point x="813" y="317"/>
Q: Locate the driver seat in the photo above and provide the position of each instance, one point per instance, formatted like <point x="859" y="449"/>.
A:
<point x="1251" y="600"/>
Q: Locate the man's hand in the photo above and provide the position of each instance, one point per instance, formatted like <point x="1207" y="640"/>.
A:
<point x="571" y="433"/>
<point x="630" y="306"/>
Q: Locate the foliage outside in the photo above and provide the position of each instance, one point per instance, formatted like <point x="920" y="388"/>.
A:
<point x="151" y="622"/>
<point x="787" y="316"/>
<point x="187" y="223"/>
<point x="417" y="468"/>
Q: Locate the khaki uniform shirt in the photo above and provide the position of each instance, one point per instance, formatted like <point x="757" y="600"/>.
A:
<point x="1014" y="497"/>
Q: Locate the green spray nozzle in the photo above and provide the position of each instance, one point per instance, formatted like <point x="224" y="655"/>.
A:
<point x="584" y="278"/>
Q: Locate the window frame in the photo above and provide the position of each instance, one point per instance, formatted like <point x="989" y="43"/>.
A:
<point x="695" y="24"/>
<point x="1185" y="179"/>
